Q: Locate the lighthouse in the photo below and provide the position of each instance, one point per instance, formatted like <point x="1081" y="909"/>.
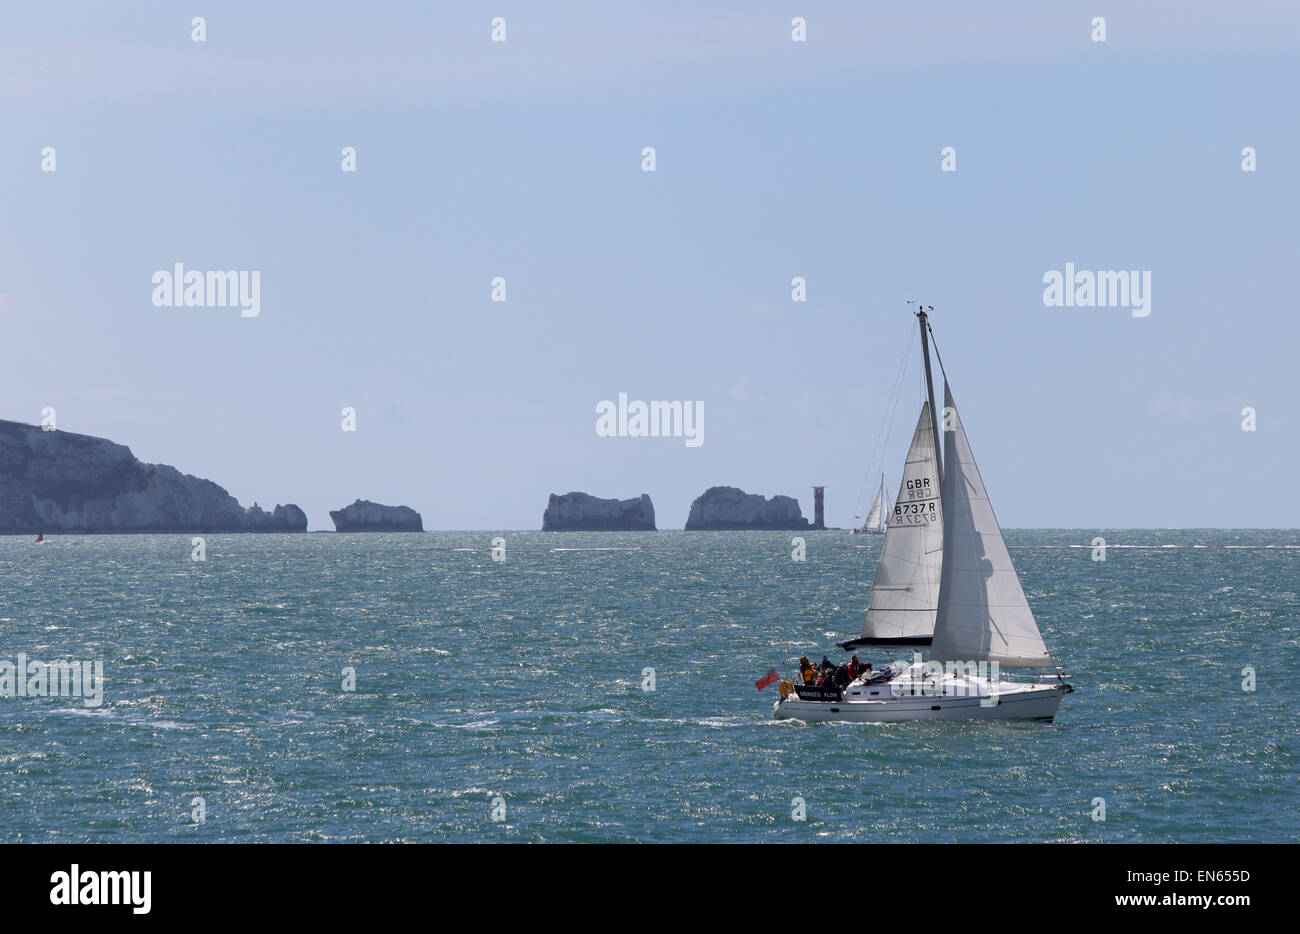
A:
<point x="819" y="507"/>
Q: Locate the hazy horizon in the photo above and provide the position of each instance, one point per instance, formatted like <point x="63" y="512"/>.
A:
<point x="775" y="159"/>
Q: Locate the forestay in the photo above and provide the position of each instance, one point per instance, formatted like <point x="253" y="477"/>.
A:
<point x="983" y="614"/>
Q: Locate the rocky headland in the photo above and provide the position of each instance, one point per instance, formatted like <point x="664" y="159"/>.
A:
<point x="58" y="481"/>
<point x="726" y="508"/>
<point x="580" y="512"/>
<point x="365" y="516"/>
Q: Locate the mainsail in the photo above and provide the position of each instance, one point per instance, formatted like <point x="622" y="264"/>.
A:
<point x="905" y="594"/>
<point x="983" y="614"/>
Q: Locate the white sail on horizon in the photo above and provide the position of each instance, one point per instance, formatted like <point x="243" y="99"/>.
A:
<point x="877" y="512"/>
<point x="905" y="594"/>
<point x="983" y="614"/>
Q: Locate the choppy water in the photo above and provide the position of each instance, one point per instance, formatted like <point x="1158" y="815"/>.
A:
<point x="522" y="680"/>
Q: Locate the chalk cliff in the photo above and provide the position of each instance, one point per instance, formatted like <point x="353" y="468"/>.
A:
<point x="57" y="481"/>
<point x="729" y="508"/>
<point x="365" y="516"/>
<point x="579" y="512"/>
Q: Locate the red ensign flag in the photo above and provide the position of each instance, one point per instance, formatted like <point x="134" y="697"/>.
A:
<point x="769" y="678"/>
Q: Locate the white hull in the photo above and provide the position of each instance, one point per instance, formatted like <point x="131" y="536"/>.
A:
<point x="965" y="699"/>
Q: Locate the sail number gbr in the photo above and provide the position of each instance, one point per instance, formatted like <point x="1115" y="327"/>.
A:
<point x="922" y="509"/>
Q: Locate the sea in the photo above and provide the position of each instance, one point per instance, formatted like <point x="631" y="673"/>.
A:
<point x="600" y="687"/>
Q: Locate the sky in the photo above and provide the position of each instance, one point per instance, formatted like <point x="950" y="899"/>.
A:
<point x="774" y="159"/>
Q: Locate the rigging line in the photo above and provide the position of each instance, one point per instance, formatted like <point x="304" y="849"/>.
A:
<point x="892" y="406"/>
<point x="892" y="415"/>
<point x="897" y="387"/>
<point x="892" y="409"/>
<point x="898" y="396"/>
<point x="938" y="356"/>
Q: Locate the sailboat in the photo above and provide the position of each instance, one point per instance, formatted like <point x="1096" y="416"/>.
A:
<point x="875" y="524"/>
<point x="944" y="582"/>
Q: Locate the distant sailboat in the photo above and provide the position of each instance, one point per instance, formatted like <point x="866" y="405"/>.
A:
<point x="875" y="524"/>
<point x="976" y="619"/>
<point x="40" y="537"/>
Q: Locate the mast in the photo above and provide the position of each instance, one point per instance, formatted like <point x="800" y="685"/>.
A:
<point x="929" y="385"/>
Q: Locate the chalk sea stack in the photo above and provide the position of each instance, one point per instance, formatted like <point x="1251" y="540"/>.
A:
<point x="365" y="516"/>
<point x="57" y="481"/>
<point x="580" y="512"/>
<point x="726" y="508"/>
